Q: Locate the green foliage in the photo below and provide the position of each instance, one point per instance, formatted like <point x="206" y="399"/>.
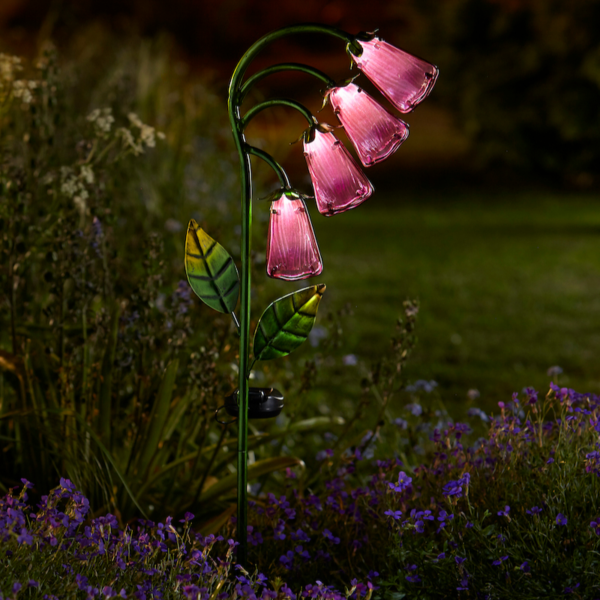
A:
<point x="286" y="323"/>
<point x="523" y="80"/>
<point x="210" y="270"/>
<point x="512" y="514"/>
<point x="503" y="279"/>
<point x="109" y="373"/>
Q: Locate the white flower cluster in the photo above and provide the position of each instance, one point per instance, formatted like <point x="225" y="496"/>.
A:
<point x="9" y="66"/>
<point x="102" y="120"/>
<point x="139" y="135"/>
<point x="20" y="88"/>
<point x="74" y="184"/>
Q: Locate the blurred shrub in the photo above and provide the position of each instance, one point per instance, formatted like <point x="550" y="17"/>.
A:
<point x="110" y="372"/>
<point x="523" y="80"/>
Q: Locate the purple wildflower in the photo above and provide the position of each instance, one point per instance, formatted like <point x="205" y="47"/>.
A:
<point x="187" y="517"/>
<point x="287" y="591"/>
<point x="287" y="559"/>
<point x="415" y="409"/>
<point x="477" y="412"/>
<point x="300" y="536"/>
<point x="395" y="514"/>
<point x="455" y="488"/>
<point x="323" y="454"/>
<point x="532" y="395"/>
<point x="303" y="553"/>
<point x="254" y="537"/>
<point x="401" y="423"/>
<point x="330" y="536"/>
<point x="403" y="482"/>
<point x="412" y="578"/>
<point x="561" y="519"/>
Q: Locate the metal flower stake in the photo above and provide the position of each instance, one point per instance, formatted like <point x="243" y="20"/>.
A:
<point x="292" y="251"/>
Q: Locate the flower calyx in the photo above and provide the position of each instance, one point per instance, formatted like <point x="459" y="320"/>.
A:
<point x="289" y="193"/>
<point x="354" y="49"/>
<point x="309" y="134"/>
<point x="334" y="86"/>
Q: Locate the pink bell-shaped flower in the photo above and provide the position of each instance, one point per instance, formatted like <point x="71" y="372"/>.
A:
<point x="292" y="250"/>
<point x="338" y="182"/>
<point x="374" y="132"/>
<point x="402" y="78"/>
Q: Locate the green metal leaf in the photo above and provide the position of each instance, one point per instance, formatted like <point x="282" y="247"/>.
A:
<point x="286" y="323"/>
<point x="210" y="270"/>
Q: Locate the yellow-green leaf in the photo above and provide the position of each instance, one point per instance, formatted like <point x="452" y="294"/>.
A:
<point x="286" y="323"/>
<point x="210" y="270"/>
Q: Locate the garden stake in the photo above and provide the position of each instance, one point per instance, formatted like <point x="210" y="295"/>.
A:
<point x="292" y="250"/>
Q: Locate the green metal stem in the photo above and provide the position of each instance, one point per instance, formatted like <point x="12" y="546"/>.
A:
<point x="278" y="102"/>
<point x="282" y="67"/>
<point x="281" y="174"/>
<point x="237" y="128"/>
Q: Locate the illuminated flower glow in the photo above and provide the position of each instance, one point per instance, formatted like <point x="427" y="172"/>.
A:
<point x="374" y="132"/>
<point x="292" y="250"/>
<point x="402" y="78"/>
<point x="338" y="182"/>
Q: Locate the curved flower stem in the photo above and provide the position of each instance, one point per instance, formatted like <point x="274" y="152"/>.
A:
<point x="237" y="128"/>
<point x="281" y="174"/>
<point x="252" y="81"/>
<point x="277" y="102"/>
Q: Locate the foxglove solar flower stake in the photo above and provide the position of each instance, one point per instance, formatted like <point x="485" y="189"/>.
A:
<point x="292" y="250"/>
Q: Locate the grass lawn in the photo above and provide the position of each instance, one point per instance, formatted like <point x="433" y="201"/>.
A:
<point x="509" y="285"/>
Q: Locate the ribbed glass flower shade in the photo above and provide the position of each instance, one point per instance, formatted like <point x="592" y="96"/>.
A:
<point x="292" y="250"/>
<point x="402" y="78"/>
<point x="338" y="182"/>
<point x="374" y="132"/>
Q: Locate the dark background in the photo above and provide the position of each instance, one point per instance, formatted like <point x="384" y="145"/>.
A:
<point x="520" y="79"/>
<point x="492" y="198"/>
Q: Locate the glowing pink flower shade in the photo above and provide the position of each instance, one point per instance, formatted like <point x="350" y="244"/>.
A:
<point x="402" y="78"/>
<point x="338" y="182"/>
<point x="292" y="250"/>
<point x="374" y="132"/>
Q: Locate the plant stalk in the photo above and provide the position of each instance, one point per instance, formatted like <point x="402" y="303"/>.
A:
<point x="237" y="127"/>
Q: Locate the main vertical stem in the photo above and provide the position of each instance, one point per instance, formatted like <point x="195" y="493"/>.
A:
<point x="237" y="128"/>
<point x="242" y="462"/>
<point x="246" y="201"/>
